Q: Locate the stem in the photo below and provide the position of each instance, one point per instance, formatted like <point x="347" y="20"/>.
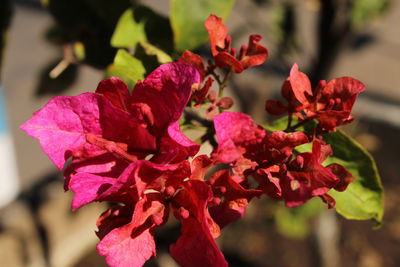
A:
<point x="223" y="84"/>
<point x="216" y="76"/>
<point x="289" y="121"/>
<point x="68" y="59"/>
<point x="301" y="123"/>
<point x="205" y="124"/>
<point x="61" y="66"/>
<point x="209" y="136"/>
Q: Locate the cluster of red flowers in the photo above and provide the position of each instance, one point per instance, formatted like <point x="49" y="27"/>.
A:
<point x="128" y="149"/>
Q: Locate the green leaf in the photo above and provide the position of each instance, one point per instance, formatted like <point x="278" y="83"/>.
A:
<point x="79" y="50"/>
<point x="126" y="67"/>
<point x="363" y="199"/>
<point x="188" y="17"/>
<point x="295" y="222"/>
<point x="283" y="25"/>
<point x="364" y="10"/>
<point x="280" y="124"/>
<point x="128" y="32"/>
<point x="276" y="125"/>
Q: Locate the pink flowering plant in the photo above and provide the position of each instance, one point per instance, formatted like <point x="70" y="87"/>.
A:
<point x="128" y="147"/>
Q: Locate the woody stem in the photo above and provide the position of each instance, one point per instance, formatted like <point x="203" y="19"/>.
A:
<point x="301" y="123"/>
<point x="222" y="85"/>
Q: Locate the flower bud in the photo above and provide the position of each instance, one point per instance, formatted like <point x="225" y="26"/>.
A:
<point x="184" y="213"/>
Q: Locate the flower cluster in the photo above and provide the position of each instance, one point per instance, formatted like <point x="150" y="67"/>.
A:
<point x="330" y="103"/>
<point x="128" y="148"/>
<point x="225" y="57"/>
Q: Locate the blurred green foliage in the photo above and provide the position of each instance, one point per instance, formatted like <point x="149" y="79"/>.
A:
<point x="295" y="222"/>
<point x="364" y="10"/>
<point x="187" y="20"/>
<point x="89" y="22"/>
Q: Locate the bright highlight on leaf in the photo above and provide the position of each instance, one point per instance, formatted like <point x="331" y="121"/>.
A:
<point x="127" y="67"/>
<point x="363" y="199"/>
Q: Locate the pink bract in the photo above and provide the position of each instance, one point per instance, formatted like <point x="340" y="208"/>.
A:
<point x="113" y="121"/>
<point x="236" y="134"/>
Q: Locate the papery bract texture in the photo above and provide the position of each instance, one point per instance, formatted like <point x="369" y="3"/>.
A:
<point x="225" y="56"/>
<point x="112" y="121"/>
<point x="194" y="60"/>
<point x="166" y="91"/>
<point x="196" y="246"/>
<point x="255" y="54"/>
<point x="133" y="244"/>
<point x="330" y="103"/>
<point x="63" y="124"/>
<point x="89" y="187"/>
<point x="217" y="32"/>
<point x="235" y="198"/>
<point x="236" y="134"/>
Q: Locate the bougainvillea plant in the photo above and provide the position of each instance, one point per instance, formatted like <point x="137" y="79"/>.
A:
<point x="128" y="149"/>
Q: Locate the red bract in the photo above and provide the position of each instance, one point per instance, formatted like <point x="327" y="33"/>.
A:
<point x="279" y="146"/>
<point x="330" y="103"/>
<point x="299" y="178"/>
<point x="225" y="57"/>
<point x="230" y="198"/>
<point x="199" y="93"/>
<point x="237" y="134"/>
<point x="127" y="232"/>
<point x="132" y="244"/>
<point x="296" y="89"/>
<point x="306" y="177"/>
<point x="333" y="102"/>
<point x="196" y="246"/>
<point x="196" y="61"/>
<point x="280" y="173"/>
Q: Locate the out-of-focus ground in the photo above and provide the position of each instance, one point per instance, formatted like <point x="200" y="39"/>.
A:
<point x="38" y="229"/>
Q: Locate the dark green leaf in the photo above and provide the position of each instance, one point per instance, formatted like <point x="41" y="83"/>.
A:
<point x="157" y="28"/>
<point x="281" y="124"/>
<point x="187" y="20"/>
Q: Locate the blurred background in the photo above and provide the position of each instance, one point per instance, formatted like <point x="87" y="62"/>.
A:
<point x="327" y="38"/>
